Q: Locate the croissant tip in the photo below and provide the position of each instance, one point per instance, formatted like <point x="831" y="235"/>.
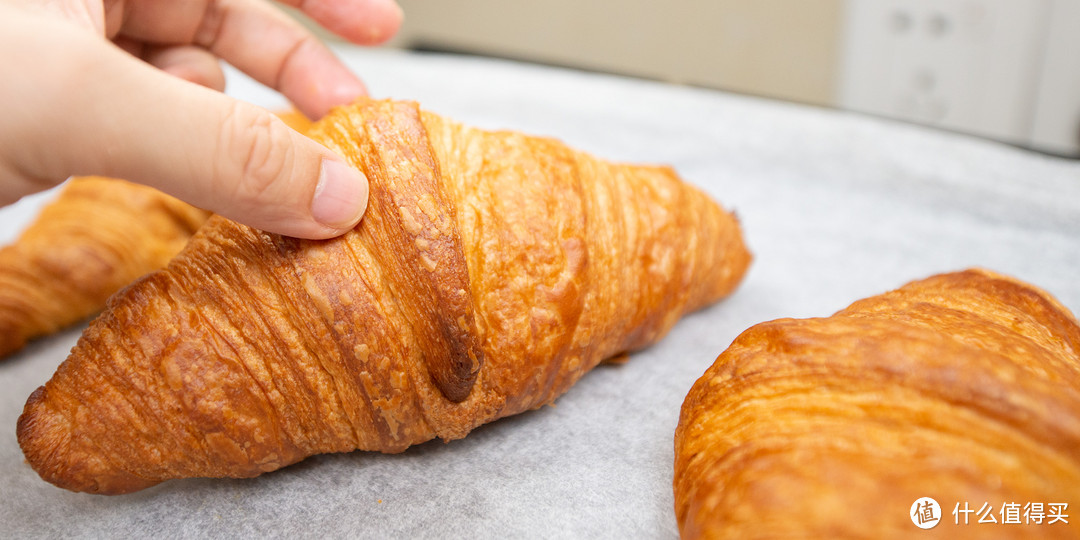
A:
<point x="47" y="441"/>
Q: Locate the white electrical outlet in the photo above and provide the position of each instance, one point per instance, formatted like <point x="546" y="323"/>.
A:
<point x="966" y="65"/>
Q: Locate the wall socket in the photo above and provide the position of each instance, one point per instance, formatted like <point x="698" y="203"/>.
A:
<point x="966" y="65"/>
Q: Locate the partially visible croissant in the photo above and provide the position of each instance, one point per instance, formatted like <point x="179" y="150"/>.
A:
<point x="97" y="236"/>
<point x="963" y="387"/>
<point x="491" y="271"/>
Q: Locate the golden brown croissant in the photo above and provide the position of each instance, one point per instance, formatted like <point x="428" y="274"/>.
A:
<point x="964" y="388"/>
<point x="491" y="271"/>
<point x="97" y="236"/>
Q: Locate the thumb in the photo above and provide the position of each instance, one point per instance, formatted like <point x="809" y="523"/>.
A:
<point x="249" y="166"/>
<point x="131" y="121"/>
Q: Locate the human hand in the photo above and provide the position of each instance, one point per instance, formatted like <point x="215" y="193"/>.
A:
<point x="78" y="100"/>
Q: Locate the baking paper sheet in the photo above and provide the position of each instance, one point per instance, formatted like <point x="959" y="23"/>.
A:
<point x="835" y="207"/>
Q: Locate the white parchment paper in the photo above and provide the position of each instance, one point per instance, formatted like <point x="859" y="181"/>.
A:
<point x="835" y="207"/>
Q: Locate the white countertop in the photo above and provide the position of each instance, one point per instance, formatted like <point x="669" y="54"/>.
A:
<point x="835" y="207"/>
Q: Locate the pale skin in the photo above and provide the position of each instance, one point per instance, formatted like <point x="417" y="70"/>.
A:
<point x="132" y="89"/>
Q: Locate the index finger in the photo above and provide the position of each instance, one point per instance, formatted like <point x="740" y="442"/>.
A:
<point x="263" y="42"/>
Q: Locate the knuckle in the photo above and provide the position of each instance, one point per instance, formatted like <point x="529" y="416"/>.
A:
<point x="260" y="149"/>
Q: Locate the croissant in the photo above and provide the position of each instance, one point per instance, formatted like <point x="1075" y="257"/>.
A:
<point x="97" y="236"/>
<point x="490" y="272"/>
<point x="963" y="388"/>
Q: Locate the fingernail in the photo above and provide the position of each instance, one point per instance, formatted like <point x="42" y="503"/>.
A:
<point x="340" y="196"/>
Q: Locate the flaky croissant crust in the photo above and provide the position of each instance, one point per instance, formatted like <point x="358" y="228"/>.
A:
<point x="491" y="271"/>
<point x="962" y="387"/>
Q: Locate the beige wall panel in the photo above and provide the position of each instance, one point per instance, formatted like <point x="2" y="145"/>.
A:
<point x="778" y="48"/>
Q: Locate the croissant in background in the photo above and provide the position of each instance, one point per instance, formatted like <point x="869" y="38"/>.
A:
<point x="491" y="271"/>
<point x="97" y="236"/>
<point x="964" y="388"/>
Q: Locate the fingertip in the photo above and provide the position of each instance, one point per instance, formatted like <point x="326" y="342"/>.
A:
<point x="364" y="22"/>
<point x="320" y="95"/>
<point x="345" y="92"/>
<point x="385" y="25"/>
<point x="332" y="195"/>
<point x="315" y="194"/>
<point x="341" y="195"/>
